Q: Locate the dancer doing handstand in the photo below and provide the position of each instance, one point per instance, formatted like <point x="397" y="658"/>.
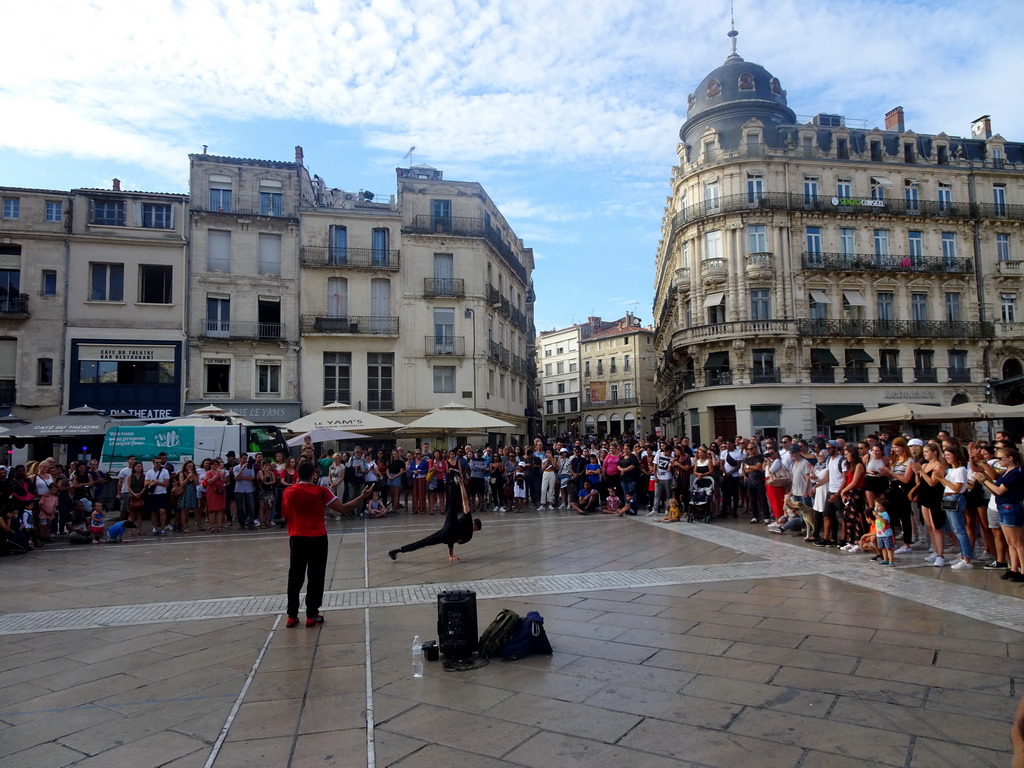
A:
<point x="457" y="528"/>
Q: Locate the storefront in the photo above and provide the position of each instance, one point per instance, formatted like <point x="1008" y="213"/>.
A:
<point x="259" y="411"/>
<point x="143" y="379"/>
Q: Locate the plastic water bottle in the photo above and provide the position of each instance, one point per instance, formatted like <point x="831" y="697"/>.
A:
<point x="417" y="657"/>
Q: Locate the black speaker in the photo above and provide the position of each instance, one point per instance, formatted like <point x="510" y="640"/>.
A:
<point x="456" y="624"/>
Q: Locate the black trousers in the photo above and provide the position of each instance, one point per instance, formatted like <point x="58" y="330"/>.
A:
<point x="443" y="536"/>
<point x="308" y="559"/>
<point x="730" y="495"/>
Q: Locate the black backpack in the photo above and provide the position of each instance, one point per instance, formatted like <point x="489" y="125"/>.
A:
<point x="527" y="638"/>
<point x="497" y="633"/>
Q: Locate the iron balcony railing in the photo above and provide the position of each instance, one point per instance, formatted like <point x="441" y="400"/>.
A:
<point x="902" y="329"/>
<point x="823" y="375"/>
<point x="765" y="376"/>
<point x="499" y="353"/>
<point x="621" y="402"/>
<point x="796" y="201"/>
<point x="361" y="258"/>
<point x="464" y="226"/>
<point x="445" y="346"/>
<point x="858" y="375"/>
<point x="363" y="325"/>
<point x="958" y="375"/>
<point x="855" y="374"/>
<point x="871" y="262"/>
<point x="248" y="330"/>
<point x="718" y="377"/>
<point x="444" y="286"/>
<point x="15" y="305"/>
<point x="890" y="375"/>
<point x="274" y="212"/>
<point x="926" y="375"/>
<point x="735" y="329"/>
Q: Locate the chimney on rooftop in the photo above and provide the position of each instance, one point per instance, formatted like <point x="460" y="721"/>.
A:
<point x="117" y="185"/>
<point x="894" y="120"/>
<point x="982" y="128"/>
<point x="298" y="155"/>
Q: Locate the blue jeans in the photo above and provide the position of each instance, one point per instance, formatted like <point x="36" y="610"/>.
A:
<point x="246" y="505"/>
<point x="957" y="521"/>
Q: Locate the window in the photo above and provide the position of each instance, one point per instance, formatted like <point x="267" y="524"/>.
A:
<point x="269" y="254"/>
<point x="958" y="365"/>
<point x="337" y="377"/>
<point x="912" y="195"/>
<point x="818" y="305"/>
<point x="876" y="151"/>
<point x="108" y="213"/>
<point x="379" y="381"/>
<point x="924" y="365"/>
<point x="712" y="197"/>
<point x="561" y="405"/>
<point x="547" y="369"/>
<point x="847" y="242"/>
<point x="549" y="407"/>
<point x="885" y="305"/>
<point x="945" y="197"/>
<point x="381" y="254"/>
<point x="688" y="313"/>
<point x="760" y="304"/>
<point x="890" y="360"/>
<point x="444" y="274"/>
<point x="716" y="312"/>
<point x="337" y="297"/>
<point x="998" y="199"/>
<point x="157" y="216"/>
<point x="220" y="193"/>
<point x="218" y="316"/>
<point x="810" y="190"/>
<point x="954" y="313"/>
<point x="763" y="365"/>
<point x="686" y="254"/>
<point x="271" y="198"/>
<point x="627" y="390"/>
<point x="268" y="317"/>
<point x="574" y="404"/>
<point x="337" y="251"/>
<point x="560" y="367"/>
<point x="757" y="241"/>
<point x="755" y="187"/>
<point x="54" y="210"/>
<point x="49" y="283"/>
<point x="844" y="190"/>
<point x="12" y="207"/>
<point x="625" y="362"/>
<point x="268" y="378"/>
<point x="444" y="378"/>
<point x="155" y="283"/>
<point x="44" y="374"/>
<point x="218" y="251"/>
<point x="614" y="392"/>
<point x="853" y="305"/>
<point x="878" y="188"/>
<point x="611" y="365"/>
<point x="915" y="248"/>
<point x="560" y="350"/>
<point x="713" y="245"/>
<point x="501" y="385"/>
<point x="107" y="282"/>
<point x="380" y="305"/>
<point x="444" y="331"/>
<point x="814" y="239"/>
<point x="1008" y="305"/>
<point x="218" y="377"/>
<point x="919" y="307"/>
<point x="949" y="248"/>
<point x="1003" y="247"/>
<point x="572" y="367"/>
<point x="586" y="368"/>
<point x="548" y="352"/>
<point x="881" y="238"/>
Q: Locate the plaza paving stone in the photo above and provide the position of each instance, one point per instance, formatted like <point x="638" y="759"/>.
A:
<point x="682" y="645"/>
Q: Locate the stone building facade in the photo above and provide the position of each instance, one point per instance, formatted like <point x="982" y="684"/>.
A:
<point x="811" y="269"/>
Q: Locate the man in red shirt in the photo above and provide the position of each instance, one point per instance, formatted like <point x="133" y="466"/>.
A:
<point x="303" y="505"/>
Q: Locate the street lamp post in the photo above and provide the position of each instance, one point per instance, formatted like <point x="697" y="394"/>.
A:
<point x="469" y="314"/>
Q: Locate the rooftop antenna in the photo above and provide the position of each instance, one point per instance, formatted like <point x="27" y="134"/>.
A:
<point x="408" y="155"/>
<point x="732" y="31"/>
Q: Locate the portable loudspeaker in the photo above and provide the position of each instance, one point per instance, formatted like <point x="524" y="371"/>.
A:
<point x="456" y="624"/>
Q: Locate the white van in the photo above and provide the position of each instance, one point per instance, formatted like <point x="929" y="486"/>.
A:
<point x="181" y="443"/>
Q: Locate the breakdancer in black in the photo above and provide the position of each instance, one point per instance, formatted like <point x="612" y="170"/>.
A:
<point x="457" y="529"/>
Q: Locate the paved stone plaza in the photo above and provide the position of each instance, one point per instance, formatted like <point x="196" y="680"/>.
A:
<point x="683" y="645"/>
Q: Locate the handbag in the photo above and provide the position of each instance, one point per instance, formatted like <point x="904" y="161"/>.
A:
<point x="780" y="479"/>
<point x="137" y="503"/>
<point x="950" y="502"/>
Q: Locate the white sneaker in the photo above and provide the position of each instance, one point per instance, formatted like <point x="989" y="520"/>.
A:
<point x="845" y="548"/>
<point x="939" y="561"/>
<point x="920" y="546"/>
<point x="495" y="508"/>
<point x="904" y="550"/>
<point x="854" y="548"/>
<point x="753" y="519"/>
<point x="962" y="565"/>
<point x="931" y="558"/>
<point x="502" y="509"/>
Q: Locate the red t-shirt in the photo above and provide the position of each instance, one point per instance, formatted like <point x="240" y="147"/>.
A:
<point x="304" y="508"/>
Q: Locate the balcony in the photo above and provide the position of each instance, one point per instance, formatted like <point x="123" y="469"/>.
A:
<point x="718" y="377"/>
<point x="765" y="376"/>
<point x="356" y="325"/>
<point x="268" y="212"/>
<point x="760" y="263"/>
<point x="1010" y="268"/>
<point x="959" y="375"/>
<point x="786" y="201"/>
<point x="319" y="256"/>
<point x="499" y="353"/>
<point x="434" y="287"/>
<point x="926" y="375"/>
<point x="611" y="402"/>
<point x="463" y="226"/>
<point x="737" y="329"/>
<point x="444" y="346"/>
<point x="823" y="375"/>
<point x="855" y="374"/>
<point x="14" y="306"/>
<point x="1009" y="330"/>
<point x="242" y="330"/>
<point x="901" y="329"/>
<point x="518" y="318"/>
<point x="870" y="262"/>
<point x="491" y="295"/>
<point x="713" y="270"/>
<point x="890" y="375"/>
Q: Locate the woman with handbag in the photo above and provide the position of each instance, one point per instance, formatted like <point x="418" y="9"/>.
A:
<point x="930" y="493"/>
<point x="955" y="484"/>
<point x="777" y="484"/>
<point x="852" y="494"/>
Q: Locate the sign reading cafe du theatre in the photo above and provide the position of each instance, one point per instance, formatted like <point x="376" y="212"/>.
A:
<point x="126" y="354"/>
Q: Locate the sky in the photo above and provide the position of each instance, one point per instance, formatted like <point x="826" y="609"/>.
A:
<point x="567" y="113"/>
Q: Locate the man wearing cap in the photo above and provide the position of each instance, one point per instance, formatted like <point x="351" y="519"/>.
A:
<point x="457" y="529"/>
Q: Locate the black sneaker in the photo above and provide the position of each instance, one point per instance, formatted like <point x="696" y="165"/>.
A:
<point x="995" y="565"/>
<point x="820" y="543"/>
<point x="393" y="554"/>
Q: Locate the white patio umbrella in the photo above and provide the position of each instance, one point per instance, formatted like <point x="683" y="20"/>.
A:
<point x="986" y="411"/>
<point x="324" y="434"/>
<point x="455" y="418"/>
<point x="898" y="412"/>
<point x="341" y="416"/>
<point x="208" y="409"/>
<point x="192" y="421"/>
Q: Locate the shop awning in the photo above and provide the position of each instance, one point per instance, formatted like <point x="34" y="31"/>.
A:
<point x="854" y="299"/>
<point x="823" y="357"/>
<point x="716" y="360"/>
<point x="859" y="356"/>
<point x="819" y="297"/>
<point x="832" y="412"/>
<point x="714" y="299"/>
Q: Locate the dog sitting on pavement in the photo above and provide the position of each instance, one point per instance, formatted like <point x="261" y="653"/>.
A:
<point x="796" y="504"/>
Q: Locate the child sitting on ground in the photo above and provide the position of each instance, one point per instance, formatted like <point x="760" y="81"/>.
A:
<point x="375" y="507"/>
<point x="629" y="507"/>
<point x="611" y="504"/>
<point x="673" y="514"/>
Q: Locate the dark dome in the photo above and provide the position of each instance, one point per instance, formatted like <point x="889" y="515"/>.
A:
<point x="736" y="80"/>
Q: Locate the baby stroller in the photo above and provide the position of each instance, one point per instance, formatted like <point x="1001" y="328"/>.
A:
<point x="701" y="497"/>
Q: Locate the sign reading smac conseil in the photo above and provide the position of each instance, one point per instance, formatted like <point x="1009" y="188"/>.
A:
<point x="866" y="202"/>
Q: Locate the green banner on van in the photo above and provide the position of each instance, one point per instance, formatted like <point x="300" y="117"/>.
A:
<point x="146" y="442"/>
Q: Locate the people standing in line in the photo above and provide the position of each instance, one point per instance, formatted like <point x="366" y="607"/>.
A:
<point x="396" y="475"/>
<point x="731" y="461"/>
<point x="1006" y="484"/>
<point x="497" y="479"/>
<point x="157" y="480"/>
<point x="245" y="491"/>
<point x="419" y="466"/>
<point x="215" y="483"/>
<point x="930" y="493"/>
<point x="188" y="498"/>
<point x="266" y="483"/>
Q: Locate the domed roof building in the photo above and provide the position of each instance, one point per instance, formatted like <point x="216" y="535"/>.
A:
<point x="813" y="268"/>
